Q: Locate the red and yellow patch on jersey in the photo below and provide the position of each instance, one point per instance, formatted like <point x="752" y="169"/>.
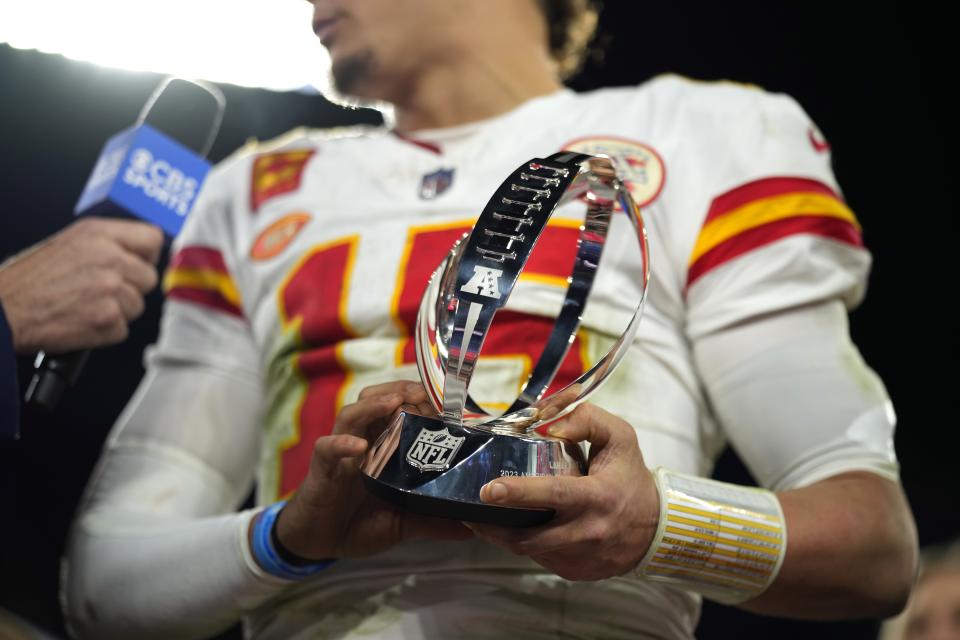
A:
<point x="199" y="275"/>
<point x="639" y="164"/>
<point x="760" y="212"/>
<point x="274" y="239"/>
<point x="275" y="174"/>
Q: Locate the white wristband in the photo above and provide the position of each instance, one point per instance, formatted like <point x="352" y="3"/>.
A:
<point x="722" y="540"/>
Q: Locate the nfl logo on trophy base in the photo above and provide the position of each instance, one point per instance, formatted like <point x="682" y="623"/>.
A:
<point x="433" y="450"/>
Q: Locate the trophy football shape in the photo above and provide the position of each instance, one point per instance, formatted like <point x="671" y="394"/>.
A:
<point x="436" y="465"/>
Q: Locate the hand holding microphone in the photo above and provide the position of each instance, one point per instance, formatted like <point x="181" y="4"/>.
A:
<point x="81" y="288"/>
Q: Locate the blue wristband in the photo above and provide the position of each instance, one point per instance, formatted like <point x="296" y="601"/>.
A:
<point x="266" y="554"/>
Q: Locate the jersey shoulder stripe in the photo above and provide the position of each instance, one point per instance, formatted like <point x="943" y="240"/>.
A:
<point x="762" y="211"/>
<point x="199" y="275"/>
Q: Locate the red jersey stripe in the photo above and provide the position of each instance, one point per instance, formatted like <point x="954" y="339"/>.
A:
<point x="198" y="257"/>
<point x="206" y="298"/>
<point x="764" y="188"/>
<point x="755" y="237"/>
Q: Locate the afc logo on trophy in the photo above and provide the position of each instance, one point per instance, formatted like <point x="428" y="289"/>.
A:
<point x="433" y="450"/>
<point x="484" y="281"/>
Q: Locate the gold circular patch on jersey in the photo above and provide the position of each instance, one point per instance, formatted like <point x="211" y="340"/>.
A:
<point x="640" y="166"/>
<point x="274" y="239"/>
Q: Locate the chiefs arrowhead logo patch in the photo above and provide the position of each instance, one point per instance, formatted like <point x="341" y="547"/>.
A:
<point x="640" y="166"/>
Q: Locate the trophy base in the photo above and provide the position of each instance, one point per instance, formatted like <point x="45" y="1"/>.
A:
<point x="456" y="510"/>
<point x="425" y="467"/>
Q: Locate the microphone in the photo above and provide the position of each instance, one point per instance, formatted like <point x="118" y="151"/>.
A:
<point x="153" y="171"/>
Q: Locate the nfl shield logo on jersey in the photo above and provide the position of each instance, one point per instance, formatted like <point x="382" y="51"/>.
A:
<point x="433" y="450"/>
<point x="434" y="184"/>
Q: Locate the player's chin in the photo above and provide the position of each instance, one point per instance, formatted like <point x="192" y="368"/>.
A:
<point x="351" y="73"/>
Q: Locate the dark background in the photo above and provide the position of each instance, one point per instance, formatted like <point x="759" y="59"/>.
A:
<point x="865" y="77"/>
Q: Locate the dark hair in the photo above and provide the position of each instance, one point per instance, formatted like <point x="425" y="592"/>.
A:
<point x="571" y="25"/>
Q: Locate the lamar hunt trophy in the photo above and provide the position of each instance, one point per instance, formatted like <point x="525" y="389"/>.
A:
<point x="436" y="465"/>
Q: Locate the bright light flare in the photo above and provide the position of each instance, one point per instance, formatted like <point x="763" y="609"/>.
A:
<point x="255" y="43"/>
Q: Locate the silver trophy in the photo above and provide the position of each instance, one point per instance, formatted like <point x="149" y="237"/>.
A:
<point x="436" y="465"/>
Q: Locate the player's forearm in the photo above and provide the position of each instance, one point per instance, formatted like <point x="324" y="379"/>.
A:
<point x="135" y="575"/>
<point x="156" y="550"/>
<point x="851" y="551"/>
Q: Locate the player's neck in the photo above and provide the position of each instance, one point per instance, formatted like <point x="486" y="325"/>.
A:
<point x="480" y="88"/>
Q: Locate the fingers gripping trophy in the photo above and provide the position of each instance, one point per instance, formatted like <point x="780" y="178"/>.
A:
<point x="436" y="465"/>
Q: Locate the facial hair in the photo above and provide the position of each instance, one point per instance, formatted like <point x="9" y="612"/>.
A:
<point x="350" y="73"/>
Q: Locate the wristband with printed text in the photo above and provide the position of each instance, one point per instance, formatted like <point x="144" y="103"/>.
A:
<point x="722" y="540"/>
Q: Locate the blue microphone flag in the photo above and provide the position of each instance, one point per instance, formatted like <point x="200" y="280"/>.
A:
<point x="144" y="173"/>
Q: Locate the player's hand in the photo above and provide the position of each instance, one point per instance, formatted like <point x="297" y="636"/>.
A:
<point x="331" y="515"/>
<point x="80" y="288"/>
<point x="605" y="520"/>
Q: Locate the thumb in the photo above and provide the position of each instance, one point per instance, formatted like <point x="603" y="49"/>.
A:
<point x="331" y="452"/>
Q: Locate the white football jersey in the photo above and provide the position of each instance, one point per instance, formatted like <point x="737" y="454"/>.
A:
<point x="302" y="268"/>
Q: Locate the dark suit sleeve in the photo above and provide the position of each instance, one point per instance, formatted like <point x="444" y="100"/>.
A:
<point x="9" y="390"/>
